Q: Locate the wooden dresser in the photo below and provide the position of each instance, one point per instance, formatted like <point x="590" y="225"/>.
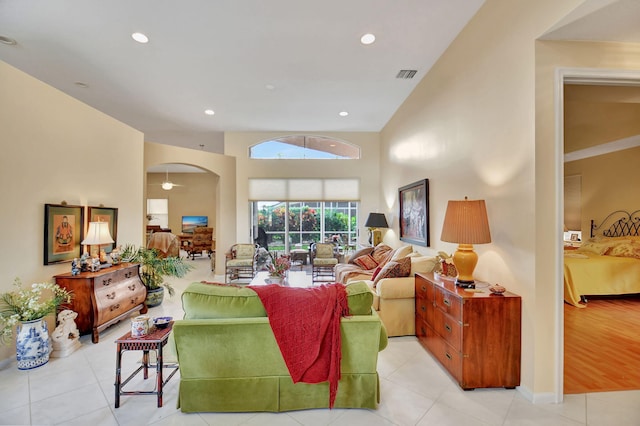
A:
<point x="105" y="297"/>
<point x="474" y="334"/>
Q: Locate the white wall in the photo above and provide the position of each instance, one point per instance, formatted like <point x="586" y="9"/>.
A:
<point x="470" y="128"/>
<point x="367" y="169"/>
<point x="56" y="148"/>
<point x="224" y="167"/>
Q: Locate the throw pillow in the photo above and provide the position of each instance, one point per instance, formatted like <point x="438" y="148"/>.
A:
<point x="394" y="269"/>
<point x="401" y="252"/>
<point x="358" y="253"/>
<point x="376" y="272"/>
<point x="597" y="248"/>
<point x="366" y="262"/>
<point x="630" y="249"/>
<point x="381" y="253"/>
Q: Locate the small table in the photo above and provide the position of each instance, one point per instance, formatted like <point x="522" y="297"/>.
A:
<point x="155" y="340"/>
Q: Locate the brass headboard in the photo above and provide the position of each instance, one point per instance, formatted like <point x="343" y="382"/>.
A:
<point x="626" y="224"/>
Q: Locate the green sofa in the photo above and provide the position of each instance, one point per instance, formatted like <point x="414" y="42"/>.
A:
<point x="230" y="362"/>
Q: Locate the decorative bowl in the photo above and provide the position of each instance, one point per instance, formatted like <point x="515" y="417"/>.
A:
<point x="162" y="322"/>
<point x="497" y="289"/>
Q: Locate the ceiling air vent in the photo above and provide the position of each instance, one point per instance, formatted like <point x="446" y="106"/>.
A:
<point x="406" y="74"/>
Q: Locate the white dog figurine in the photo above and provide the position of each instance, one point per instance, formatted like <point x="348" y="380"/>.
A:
<point x="66" y="337"/>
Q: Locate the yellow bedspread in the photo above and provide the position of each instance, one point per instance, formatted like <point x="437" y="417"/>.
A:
<point x="591" y="274"/>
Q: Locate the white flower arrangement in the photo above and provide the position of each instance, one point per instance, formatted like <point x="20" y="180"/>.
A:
<point x="28" y="304"/>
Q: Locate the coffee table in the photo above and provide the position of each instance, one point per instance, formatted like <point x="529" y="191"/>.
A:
<point x="293" y="279"/>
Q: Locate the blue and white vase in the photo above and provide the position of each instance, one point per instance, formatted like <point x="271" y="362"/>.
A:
<point x="32" y="344"/>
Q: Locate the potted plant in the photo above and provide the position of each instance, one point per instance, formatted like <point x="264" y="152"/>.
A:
<point x="153" y="269"/>
<point x="26" y="308"/>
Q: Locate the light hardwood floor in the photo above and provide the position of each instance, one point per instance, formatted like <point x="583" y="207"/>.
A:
<point x="602" y="346"/>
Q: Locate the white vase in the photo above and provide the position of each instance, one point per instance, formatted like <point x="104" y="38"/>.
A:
<point x="275" y="279"/>
<point x="32" y="344"/>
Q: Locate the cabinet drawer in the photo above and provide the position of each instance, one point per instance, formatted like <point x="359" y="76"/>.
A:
<point x="448" y="328"/>
<point x="450" y="359"/>
<point x="113" y="300"/>
<point x="448" y="303"/>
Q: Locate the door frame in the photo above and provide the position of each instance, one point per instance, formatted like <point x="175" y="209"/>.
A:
<point x="586" y="76"/>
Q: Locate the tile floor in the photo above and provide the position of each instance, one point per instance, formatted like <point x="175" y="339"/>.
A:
<point x="79" y="390"/>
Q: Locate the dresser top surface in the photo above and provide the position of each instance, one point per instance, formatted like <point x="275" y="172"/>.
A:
<point x="449" y="283"/>
<point x="99" y="273"/>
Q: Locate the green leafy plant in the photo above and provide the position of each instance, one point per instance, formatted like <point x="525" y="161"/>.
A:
<point x="154" y="268"/>
<point x="28" y="304"/>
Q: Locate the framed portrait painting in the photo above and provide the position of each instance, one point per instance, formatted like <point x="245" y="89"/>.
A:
<point x="63" y="232"/>
<point x="414" y="213"/>
<point x="109" y="215"/>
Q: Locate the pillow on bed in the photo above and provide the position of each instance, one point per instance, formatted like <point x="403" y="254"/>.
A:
<point x="597" y="248"/>
<point x="630" y="249"/>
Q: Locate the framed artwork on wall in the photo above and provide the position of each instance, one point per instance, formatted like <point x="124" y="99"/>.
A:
<point x="109" y="215"/>
<point x="63" y="232"/>
<point x="414" y="213"/>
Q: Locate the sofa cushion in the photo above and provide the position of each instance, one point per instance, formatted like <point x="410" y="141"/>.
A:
<point x="394" y="269"/>
<point x="366" y="262"/>
<point x="382" y="253"/>
<point x="208" y="300"/>
<point x="401" y="252"/>
<point x="422" y="264"/>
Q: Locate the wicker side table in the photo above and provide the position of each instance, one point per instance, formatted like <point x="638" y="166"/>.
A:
<point x="155" y="340"/>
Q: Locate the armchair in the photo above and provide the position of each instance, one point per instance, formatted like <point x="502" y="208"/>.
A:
<point x="240" y="262"/>
<point x="202" y="241"/>
<point x="323" y="263"/>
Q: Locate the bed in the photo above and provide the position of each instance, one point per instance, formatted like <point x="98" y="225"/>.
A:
<point x="608" y="263"/>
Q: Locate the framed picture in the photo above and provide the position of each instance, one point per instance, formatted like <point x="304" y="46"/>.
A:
<point x="63" y="232"/>
<point x="109" y="215"/>
<point x="414" y="213"/>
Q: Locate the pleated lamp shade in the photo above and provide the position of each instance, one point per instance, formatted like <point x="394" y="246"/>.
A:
<point x="466" y="222"/>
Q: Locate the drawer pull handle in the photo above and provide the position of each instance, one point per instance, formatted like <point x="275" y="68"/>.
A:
<point x="115" y="307"/>
<point x="131" y="287"/>
<point x="448" y="356"/>
<point x="424" y="308"/>
<point x="128" y="274"/>
<point x="424" y="288"/>
<point x="446" y="302"/>
<point x="107" y="281"/>
<point x="111" y="295"/>
<point x="447" y="327"/>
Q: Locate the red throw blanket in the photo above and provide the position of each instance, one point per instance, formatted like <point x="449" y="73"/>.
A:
<point x="306" y="325"/>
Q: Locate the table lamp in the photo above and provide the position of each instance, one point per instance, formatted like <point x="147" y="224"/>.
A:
<point x="97" y="235"/>
<point x="375" y="221"/>
<point x="466" y="223"/>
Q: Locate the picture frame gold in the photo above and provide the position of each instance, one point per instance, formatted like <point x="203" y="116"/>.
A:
<point x="63" y="233"/>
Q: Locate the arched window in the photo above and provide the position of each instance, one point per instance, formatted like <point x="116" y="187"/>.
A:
<point x="301" y="147"/>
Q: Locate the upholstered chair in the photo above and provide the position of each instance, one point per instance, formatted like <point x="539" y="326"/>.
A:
<point x="240" y="262"/>
<point x="323" y="263"/>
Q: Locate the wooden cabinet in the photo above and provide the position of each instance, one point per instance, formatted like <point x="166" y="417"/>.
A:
<point x="105" y="297"/>
<point x="473" y="333"/>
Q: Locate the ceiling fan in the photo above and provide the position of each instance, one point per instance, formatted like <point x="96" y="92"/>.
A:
<point x="167" y="185"/>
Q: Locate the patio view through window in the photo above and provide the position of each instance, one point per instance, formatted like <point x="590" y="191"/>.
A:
<point x="307" y="222"/>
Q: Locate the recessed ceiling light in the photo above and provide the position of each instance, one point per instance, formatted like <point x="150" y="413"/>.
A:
<point x="367" y="39"/>
<point x="140" y="38"/>
<point x="209" y="111"/>
<point x="81" y="84"/>
<point x="343" y="113"/>
<point x="270" y="86"/>
<point x="8" y="40"/>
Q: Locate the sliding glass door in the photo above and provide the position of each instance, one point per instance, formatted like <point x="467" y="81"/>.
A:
<point x="284" y="226"/>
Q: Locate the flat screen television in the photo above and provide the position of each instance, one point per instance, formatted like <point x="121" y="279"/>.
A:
<point x="189" y="223"/>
